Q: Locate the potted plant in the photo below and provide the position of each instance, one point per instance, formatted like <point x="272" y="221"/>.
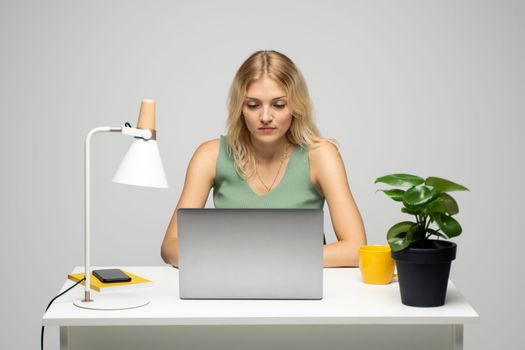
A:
<point x="423" y="264"/>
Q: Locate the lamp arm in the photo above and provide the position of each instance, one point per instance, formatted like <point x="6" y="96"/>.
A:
<point x="87" y="206"/>
<point x="145" y="134"/>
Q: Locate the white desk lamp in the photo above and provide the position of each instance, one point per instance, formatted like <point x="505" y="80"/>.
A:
<point x="141" y="166"/>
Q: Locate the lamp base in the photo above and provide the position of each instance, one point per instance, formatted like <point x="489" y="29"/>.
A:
<point x="113" y="302"/>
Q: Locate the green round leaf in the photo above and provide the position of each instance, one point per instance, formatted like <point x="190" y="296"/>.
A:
<point x="415" y="233"/>
<point x="444" y="185"/>
<point x="412" y="211"/>
<point x="448" y="225"/>
<point x="397" y="244"/>
<point x="399" y="230"/>
<point x="419" y="195"/>
<point x="395" y="194"/>
<point x="449" y="203"/>
<point x="436" y="207"/>
<point x="404" y="180"/>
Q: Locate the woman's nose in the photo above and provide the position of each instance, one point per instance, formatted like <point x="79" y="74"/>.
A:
<point x="266" y="115"/>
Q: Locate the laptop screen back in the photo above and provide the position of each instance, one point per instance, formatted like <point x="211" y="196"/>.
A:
<point x="250" y="253"/>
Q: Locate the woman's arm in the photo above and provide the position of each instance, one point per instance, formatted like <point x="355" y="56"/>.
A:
<point x="329" y="176"/>
<point x="200" y="177"/>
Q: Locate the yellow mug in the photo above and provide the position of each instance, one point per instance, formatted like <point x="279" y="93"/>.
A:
<point x="376" y="264"/>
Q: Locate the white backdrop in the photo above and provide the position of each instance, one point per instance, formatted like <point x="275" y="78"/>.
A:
<point x="425" y="87"/>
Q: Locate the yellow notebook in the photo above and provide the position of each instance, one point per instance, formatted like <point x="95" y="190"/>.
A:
<point x="97" y="285"/>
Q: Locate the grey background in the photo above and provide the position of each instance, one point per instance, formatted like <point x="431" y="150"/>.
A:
<point x="425" y="87"/>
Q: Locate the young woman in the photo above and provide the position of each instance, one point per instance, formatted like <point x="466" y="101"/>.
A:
<point x="272" y="157"/>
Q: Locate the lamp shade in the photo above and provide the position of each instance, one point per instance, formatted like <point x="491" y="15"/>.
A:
<point x="142" y="166"/>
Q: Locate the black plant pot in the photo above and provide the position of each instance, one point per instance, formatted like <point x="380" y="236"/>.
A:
<point x="423" y="274"/>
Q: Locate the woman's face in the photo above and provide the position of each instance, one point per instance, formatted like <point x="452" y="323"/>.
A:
<point x="266" y="111"/>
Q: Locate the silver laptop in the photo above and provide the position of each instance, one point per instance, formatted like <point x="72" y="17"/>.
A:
<point x="250" y="253"/>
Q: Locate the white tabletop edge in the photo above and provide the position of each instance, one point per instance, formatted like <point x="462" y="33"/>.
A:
<point x="458" y="311"/>
<point x="256" y="321"/>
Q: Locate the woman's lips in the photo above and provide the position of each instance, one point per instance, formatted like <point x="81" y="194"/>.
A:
<point x="266" y="130"/>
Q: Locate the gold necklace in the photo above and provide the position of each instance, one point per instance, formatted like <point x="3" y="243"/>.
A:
<point x="283" y="157"/>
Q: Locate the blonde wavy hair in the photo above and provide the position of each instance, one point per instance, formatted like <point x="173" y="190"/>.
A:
<point x="282" y="70"/>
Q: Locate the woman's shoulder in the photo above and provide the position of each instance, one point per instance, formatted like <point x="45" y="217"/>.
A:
<point x="208" y="145"/>
<point x="323" y="155"/>
<point x="202" y="164"/>
<point x="323" y="149"/>
<point x="208" y="150"/>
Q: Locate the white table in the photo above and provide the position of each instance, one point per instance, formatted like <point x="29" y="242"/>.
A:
<point x="351" y="315"/>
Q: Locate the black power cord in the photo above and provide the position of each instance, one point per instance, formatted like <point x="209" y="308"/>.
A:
<point x="48" y="305"/>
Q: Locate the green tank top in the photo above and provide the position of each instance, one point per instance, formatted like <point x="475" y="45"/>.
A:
<point x="295" y="190"/>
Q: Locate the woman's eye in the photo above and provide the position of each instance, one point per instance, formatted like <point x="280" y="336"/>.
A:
<point x="278" y="106"/>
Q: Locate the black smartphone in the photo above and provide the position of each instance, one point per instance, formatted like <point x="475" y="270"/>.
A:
<point x="111" y="276"/>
